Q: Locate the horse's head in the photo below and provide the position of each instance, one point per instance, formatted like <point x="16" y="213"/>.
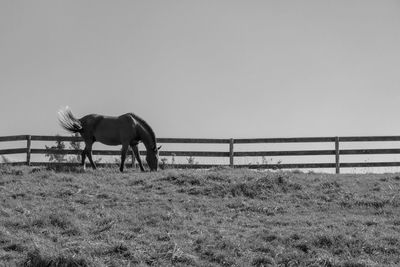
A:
<point x="152" y="158"/>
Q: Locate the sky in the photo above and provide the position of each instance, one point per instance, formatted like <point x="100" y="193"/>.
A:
<point x="212" y="69"/>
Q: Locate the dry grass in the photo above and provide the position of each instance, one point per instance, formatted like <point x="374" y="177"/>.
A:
<point x="219" y="217"/>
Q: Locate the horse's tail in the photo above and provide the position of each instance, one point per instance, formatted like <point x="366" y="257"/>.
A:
<point x="68" y="121"/>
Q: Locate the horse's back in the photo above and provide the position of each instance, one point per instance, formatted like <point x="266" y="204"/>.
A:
<point x="111" y="130"/>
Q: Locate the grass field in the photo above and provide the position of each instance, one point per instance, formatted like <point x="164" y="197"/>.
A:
<point x="218" y="217"/>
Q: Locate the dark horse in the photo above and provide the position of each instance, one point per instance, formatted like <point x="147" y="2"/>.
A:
<point x="126" y="130"/>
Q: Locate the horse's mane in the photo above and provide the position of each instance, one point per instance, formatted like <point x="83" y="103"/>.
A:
<point x="146" y="126"/>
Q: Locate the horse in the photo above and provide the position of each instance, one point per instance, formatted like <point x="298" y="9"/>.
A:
<point x="126" y="130"/>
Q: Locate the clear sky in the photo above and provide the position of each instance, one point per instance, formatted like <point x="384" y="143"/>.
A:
<point x="204" y="68"/>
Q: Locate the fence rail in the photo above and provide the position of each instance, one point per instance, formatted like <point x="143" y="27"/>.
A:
<point x="230" y="153"/>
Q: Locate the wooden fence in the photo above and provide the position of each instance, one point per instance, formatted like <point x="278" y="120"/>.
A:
<point x="230" y="153"/>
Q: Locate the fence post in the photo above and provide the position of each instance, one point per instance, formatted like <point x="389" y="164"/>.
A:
<point x="28" y="150"/>
<point x="231" y="162"/>
<point x="337" y="154"/>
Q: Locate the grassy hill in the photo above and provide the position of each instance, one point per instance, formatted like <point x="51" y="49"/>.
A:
<point x="219" y="217"/>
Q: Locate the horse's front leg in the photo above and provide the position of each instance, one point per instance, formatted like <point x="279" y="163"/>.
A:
<point x="136" y="153"/>
<point x="123" y="156"/>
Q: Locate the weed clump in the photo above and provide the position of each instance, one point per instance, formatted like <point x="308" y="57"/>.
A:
<point x="37" y="259"/>
<point x="260" y="187"/>
<point x="217" y="249"/>
<point x="62" y="222"/>
<point x="261" y="261"/>
<point x="246" y="190"/>
<point x="182" y="179"/>
<point x="375" y="203"/>
<point x="354" y="264"/>
<point x="65" y="168"/>
<point x="14" y="247"/>
<point x="264" y="186"/>
<point x="9" y="170"/>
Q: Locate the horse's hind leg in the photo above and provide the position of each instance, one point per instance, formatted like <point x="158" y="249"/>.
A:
<point x="83" y="156"/>
<point x="89" y="155"/>
<point x="136" y="153"/>
<point x="88" y="152"/>
<point x="123" y="156"/>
